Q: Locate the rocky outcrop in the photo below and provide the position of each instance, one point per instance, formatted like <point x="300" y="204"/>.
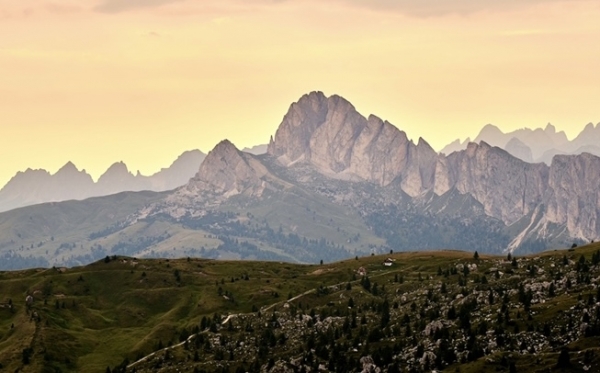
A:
<point x="292" y="140"/>
<point x="565" y="193"/>
<point x="225" y="172"/>
<point x="329" y="134"/>
<point x="228" y="171"/>
<point x="573" y="196"/>
<point x="507" y="187"/>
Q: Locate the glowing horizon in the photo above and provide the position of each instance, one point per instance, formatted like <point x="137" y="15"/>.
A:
<point x="141" y="81"/>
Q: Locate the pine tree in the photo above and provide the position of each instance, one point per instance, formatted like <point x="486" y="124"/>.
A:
<point x="564" y="360"/>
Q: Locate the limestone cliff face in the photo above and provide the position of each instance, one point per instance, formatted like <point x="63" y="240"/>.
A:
<point x="292" y="140"/>
<point x="328" y="133"/>
<point x="507" y="187"/>
<point x="574" y="193"/>
<point x="565" y="193"/>
<point x="227" y="171"/>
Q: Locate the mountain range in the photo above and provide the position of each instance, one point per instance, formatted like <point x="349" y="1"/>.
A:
<point x="39" y="186"/>
<point x="333" y="184"/>
<point x="537" y="145"/>
<point x="31" y="187"/>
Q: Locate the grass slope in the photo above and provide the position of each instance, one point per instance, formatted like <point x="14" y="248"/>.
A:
<point x="114" y="313"/>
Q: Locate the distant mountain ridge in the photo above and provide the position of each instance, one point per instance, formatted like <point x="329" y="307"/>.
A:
<point x="537" y="145"/>
<point x="333" y="184"/>
<point x="68" y="183"/>
<point x="256" y="149"/>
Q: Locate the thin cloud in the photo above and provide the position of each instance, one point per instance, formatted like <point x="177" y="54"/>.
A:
<point x="418" y="8"/>
<point x="432" y="8"/>
<point x="63" y="8"/>
<point x="118" y="6"/>
<point x="527" y="32"/>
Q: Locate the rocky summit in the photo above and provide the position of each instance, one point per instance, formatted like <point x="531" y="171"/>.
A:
<point x="332" y="136"/>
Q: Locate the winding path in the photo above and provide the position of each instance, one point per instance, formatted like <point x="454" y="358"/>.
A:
<point x="263" y="309"/>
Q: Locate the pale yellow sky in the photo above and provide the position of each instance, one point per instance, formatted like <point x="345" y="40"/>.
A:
<point x="99" y="81"/>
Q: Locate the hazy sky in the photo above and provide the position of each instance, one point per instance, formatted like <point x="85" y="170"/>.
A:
<point x="99" y="81"/>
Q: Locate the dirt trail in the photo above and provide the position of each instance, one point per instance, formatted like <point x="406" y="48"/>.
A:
<point x="264" y="309"/>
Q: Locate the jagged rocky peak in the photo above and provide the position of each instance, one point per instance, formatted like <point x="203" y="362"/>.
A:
<point x="590" y="132"/>
<point x="518" y="149"/>
<point x="329" y="134"/>
<point x="70" y="173"/>
<point x="455" y="146"/>
<point x="69" y="167"/>
<point x="116" y="179"/>
<point x="293" y="135"/>
<point x="491" y="135"/>
<point x="227" y="170"/>
<point x="117" y="168"/>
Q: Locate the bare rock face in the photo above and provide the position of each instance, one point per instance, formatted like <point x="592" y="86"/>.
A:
<point x="574" y="195"/>
<point x="292" y="140"/>
<point x="224" y="173"/>
<point x="419" y="173"/>
<point x="331" y="135"/>
<point x="332" y="142"/>
<point x="380" y="153"/>
<point x="565" y="193"/>
<point x="227" y="171"/>
<point x="507" y="187"/>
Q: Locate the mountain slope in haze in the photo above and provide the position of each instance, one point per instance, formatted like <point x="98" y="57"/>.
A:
<point x="257" y="149"/>
<point x="538" y="145"/>
<point x="333" y="184"/>
<point x="34" y="186"/>
<point x="38" y="186"/>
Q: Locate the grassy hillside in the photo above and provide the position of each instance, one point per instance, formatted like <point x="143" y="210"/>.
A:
<point x="424" y="312"/>
<point x="41" y="235"/>
<point x="292" y="227"/>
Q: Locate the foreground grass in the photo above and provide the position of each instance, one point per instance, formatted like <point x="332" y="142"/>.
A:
<point x="108" y="313"/>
